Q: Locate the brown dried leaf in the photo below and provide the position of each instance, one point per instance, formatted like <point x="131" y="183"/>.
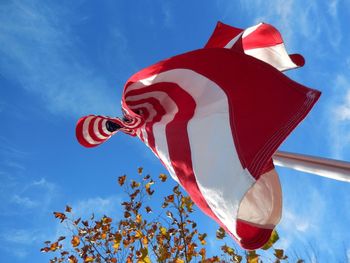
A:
<point x="61" y="238"/>
<point x="121" y="180"/>
<point x="45" y="249"/>
<point x="279" y="253"/>
<point x="60" y="215"/>
<point x="72" y="259"/>
<point x="68" y="209"/>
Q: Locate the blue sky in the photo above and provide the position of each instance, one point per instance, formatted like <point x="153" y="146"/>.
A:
<point x="60" y="60"/>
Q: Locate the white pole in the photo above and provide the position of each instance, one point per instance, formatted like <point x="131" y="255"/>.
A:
<point x="334" y="169"/>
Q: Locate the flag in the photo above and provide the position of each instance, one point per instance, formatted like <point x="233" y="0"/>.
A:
<point x="262" y="41"/>
<point x="214" y="117"/>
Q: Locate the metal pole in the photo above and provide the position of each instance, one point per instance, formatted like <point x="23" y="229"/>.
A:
<point x="334" y="169"/>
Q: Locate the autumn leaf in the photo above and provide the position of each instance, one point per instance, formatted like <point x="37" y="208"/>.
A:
<point x="106" y="220"/>
<point x="273" y="239"/>
<point x="252" y="257"/>
<point x="68" y="209"/>
<point x="138" y="219"/>
<point x="220" y="233"/>
<point x="163" y="177"/>
<point x="127" y="214"/>
<point x="145" y="240"/>
<point x="121" y="180"/>
<point x="76" y="222"/>
<point x="163" y="230"/>
<point x="45" y="249"/>
<point x="61" y="216"/>
<point x="140" y="170"/>
<point x="61" y="238"/>
<point x="169" y="198"/>
<point x="54" y="246"/>
<point x="72" y="259"/>
<point x="148" y="209"/>
<point x="178" y="260"/>
<point x="134" y="184"/>
<point x="279" y="253"/>
<point x="89" y="259"/>
<point x="202" y="237"/>
<point x="138" y="234"/>
<point x="75" y="241"/>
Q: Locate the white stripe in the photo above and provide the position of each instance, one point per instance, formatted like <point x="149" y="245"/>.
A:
<point x="276" y="56"/>
<point x="86" y="134"/>
<point x="96" y="130"/>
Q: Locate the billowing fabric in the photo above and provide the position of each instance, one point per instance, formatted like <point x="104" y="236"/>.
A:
<point x="262" y="41"/>
<point x="214" y="117"/>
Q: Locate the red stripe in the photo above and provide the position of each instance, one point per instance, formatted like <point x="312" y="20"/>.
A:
<point x="92" y="132"/>
<point x="100" y="127"/>
<point x="263" y="36"/>
<point x="222" y="35"/>
<point x="79" y="133"/>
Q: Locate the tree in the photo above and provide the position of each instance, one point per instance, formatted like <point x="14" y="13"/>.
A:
<point x="144" y="236"/>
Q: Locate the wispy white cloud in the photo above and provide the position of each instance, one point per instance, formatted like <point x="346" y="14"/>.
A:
<point x="40" y="52"/>
<point x="338" y="114"/>
<point x="98" y="205"/>
<point x="295" y="19"/>
<point x="333" y="7"/>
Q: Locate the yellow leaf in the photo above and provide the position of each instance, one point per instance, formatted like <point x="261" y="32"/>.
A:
<point x="138" y="234"/>
<point x="134" y="184"/>
<point x="273" y="239"/>
<point x="75" y="241"/>
<point x="179" y="261"/>
<point x="103" y="236"/>
<point x="116" y="246"/>
<point x="163" y="230"/>
<point x="138" y="219"/>
<point x="163" y="177"/>
<point x="145" y="240"/>
<point x="252" y="257"/>
<point x="88" y="259"/>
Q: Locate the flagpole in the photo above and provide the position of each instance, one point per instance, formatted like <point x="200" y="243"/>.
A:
<point x="334" y="169"/>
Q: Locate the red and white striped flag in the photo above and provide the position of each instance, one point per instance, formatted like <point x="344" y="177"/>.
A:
<point x="262" y="41"/>
<point x="214" y="117"/>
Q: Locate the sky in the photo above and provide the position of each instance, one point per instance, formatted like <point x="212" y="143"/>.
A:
<point x="60" y="60"/>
